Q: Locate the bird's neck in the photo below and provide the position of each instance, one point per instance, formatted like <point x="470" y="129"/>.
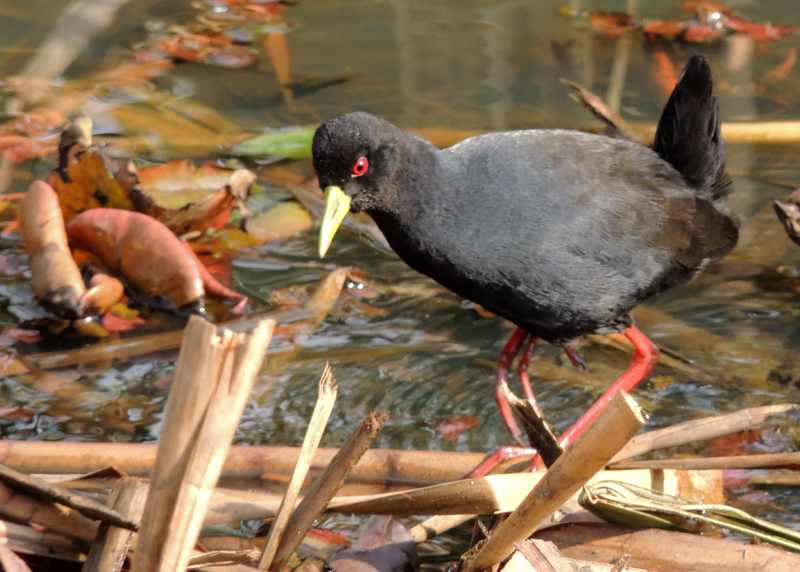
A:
<point x="414" y="187"/>
<point x="412" y="184"/>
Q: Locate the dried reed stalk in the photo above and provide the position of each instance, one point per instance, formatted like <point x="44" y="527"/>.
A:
<point x="110" y="548"/>
<point x="45" y="514"/>
<point x="325" y="486"/>
<point x="215" y="372"/>
<point x="54" y="493"/>
<point x="378" y="468"/>
<point x="539" y="433"/>
<point x="620" y="421"/>
<point x="316" y="427"/>
<point x="733" y="462"/>
<point x="702" y="429"/>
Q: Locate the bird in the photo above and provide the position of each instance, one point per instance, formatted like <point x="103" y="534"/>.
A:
<point x="561" y="232"/>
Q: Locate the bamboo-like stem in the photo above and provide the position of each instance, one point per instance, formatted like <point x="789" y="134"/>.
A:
<point x="110" y="549"/>
<point x="702" y="429"/>
<point x="486" y="495"/>
<point x="216" y="370"/>
<point x="325" y="486"/>
<point x="620" y="421"/>
<point x="733" y="462"/>
<point x="316" y="427"/>
<point x="257" y="463"/>
<point x="43" y="490"/>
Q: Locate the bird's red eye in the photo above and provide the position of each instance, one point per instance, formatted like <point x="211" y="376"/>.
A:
<point x="360" y="167"/>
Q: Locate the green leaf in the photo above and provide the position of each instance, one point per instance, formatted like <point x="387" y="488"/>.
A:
<point x="289" y="143"/>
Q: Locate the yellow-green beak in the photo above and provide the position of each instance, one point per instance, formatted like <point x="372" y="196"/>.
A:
<point x="337" y="205"/>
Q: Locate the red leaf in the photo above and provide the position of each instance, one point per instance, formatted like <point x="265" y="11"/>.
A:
<point x="451" y="427"/>
<point x="114" y="323"/>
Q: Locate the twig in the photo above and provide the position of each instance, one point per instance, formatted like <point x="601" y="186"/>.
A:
<point x="702" y="429"/>
<point x="733" y="462"/>
<point x="316" y="427"/>
<point x="86" y="506"/>
<point x="128" y="348"/>
<point x="325" y="486"/>
<point x="614" y="122"/>
<point x="588" y="454"/>
<point x="111" y="545"/>
<point x="539" y="433"/>
<point x="216" y="370"/>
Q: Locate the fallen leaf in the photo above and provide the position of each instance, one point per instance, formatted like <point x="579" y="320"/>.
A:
<point x="451" y="427"/>
<point x="285" y="143"/>
<point x="114" y="323"/>
<point x="664" y="72"/>
<point x="90" y="327"/>
<point x="702" y="34"/>
<point x="282" y="221"/>
<point x="701" y="6"/>
<point x="189" y="198"/>
<point x="93" y="180"/>
<point x="782" y="70"/>
<point x="226" y="241"/>
<point x="10" y="336"/>
<point x="327" y="293"/>
<point x="15" y="412"/>
<point x="383" y="545"/>
<point x="207" y="48"/>
<point x="758" y="31"/>
<point x="611" y="23"/>
<point x="668" y="29"/>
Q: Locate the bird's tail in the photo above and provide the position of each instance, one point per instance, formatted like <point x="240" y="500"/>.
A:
<point x="688" y="137"/>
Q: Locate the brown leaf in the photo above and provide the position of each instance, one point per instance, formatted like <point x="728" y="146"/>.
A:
<point x="669" y="29"/>
<point x="93" y="180"/>
<point x="451" y="427"/>
<point x="186" y="197"/>
<point x="788" y="213"/>
<point x="611" y="23"/>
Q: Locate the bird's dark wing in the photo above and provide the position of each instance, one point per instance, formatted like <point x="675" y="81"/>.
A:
<point x="562" y="226"/>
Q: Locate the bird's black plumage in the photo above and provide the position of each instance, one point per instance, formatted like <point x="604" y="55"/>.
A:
<point x="560" y="232"/>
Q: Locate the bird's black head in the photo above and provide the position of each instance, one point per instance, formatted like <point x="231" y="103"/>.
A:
<point x="359" y="161"/>
<point x="358" y="153"/>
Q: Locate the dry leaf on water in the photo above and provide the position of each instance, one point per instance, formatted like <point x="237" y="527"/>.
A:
<point x="282" y="221"/>
<point x="188" y="198"/>
<point x="93" y="180"/>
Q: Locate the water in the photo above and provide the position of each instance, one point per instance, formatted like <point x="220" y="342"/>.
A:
<point x="423" y="357"/>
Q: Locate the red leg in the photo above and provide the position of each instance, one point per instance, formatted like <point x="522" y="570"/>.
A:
<point x="644" y="358"/>
<point x="503" y="364"/>
<point x="499" y="456"/>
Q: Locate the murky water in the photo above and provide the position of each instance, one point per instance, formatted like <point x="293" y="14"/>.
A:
<point x="426" y="355"/>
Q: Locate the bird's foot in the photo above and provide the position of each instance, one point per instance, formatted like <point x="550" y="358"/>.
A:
<point x="501" y="455"/>
<point x="644" y="359"/>
<point x="575" y="358"/>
